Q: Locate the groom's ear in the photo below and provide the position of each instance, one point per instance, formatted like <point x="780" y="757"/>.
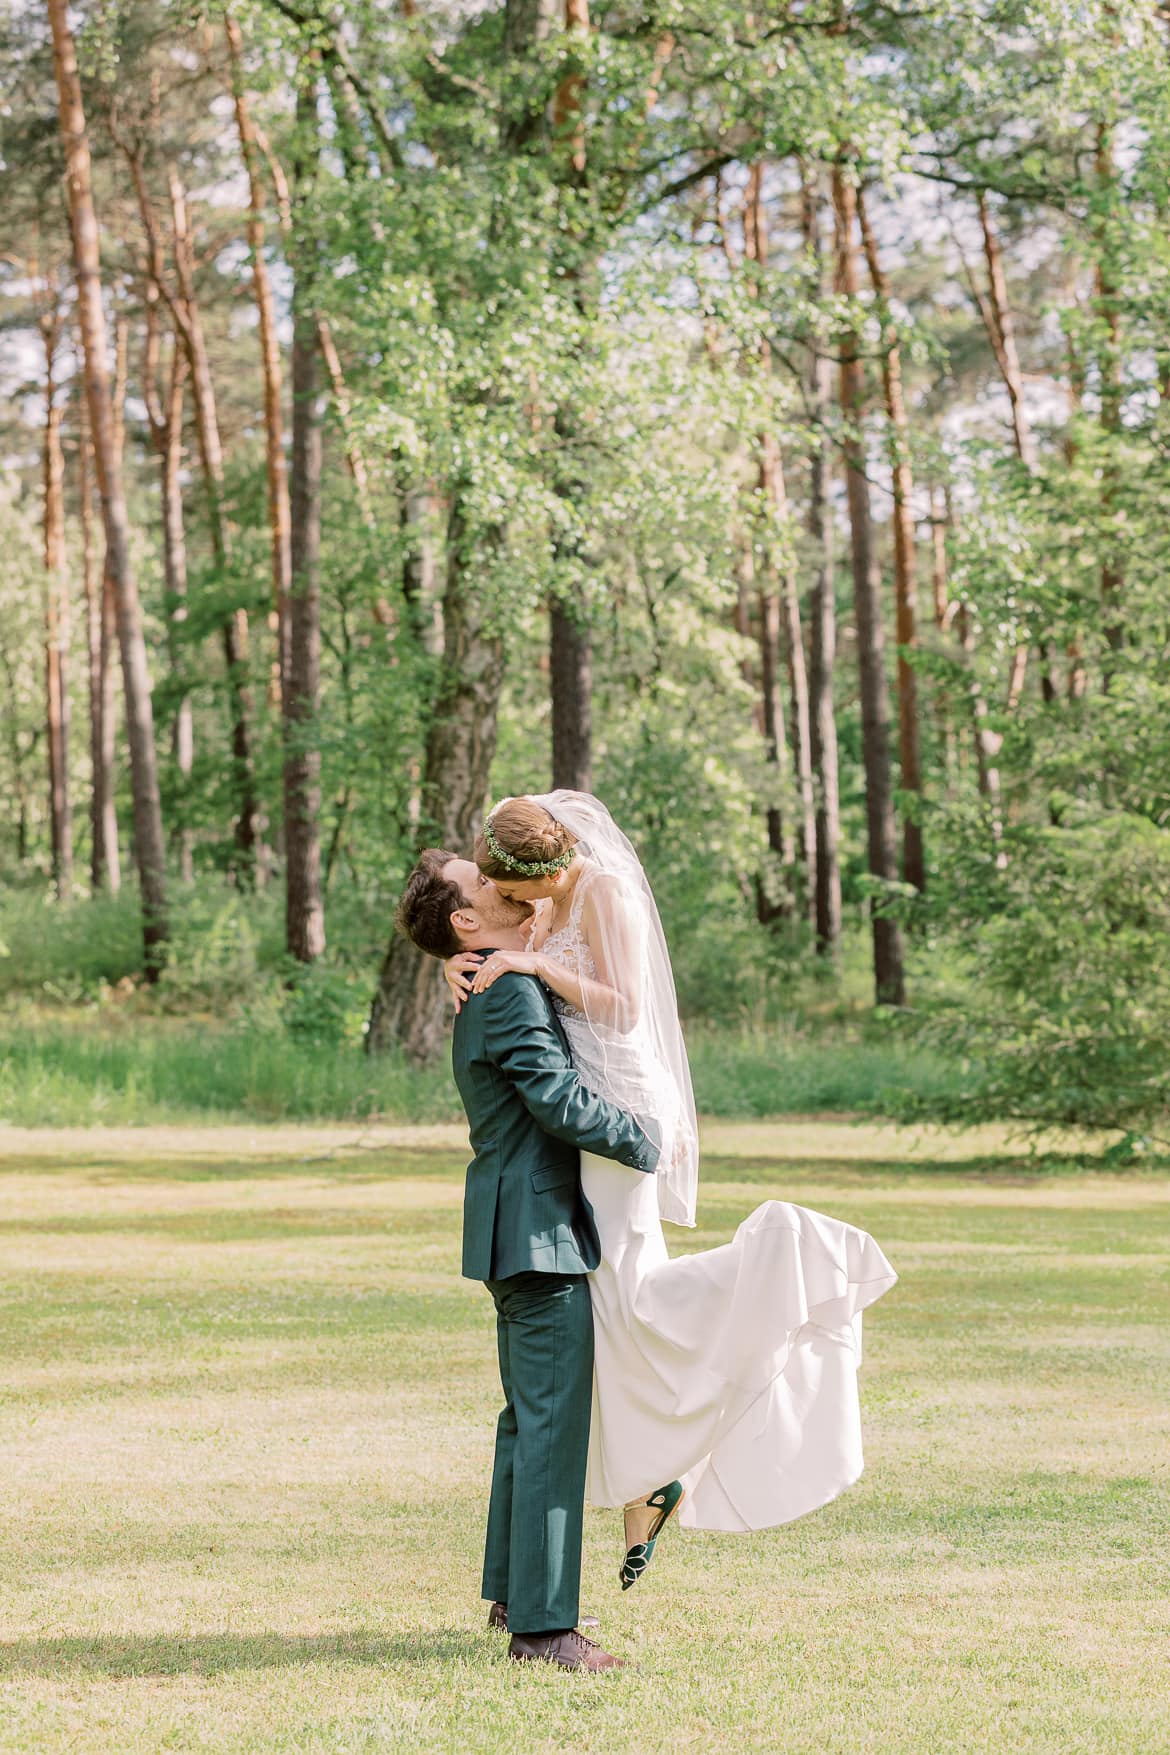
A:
<point x="465" y="920"/>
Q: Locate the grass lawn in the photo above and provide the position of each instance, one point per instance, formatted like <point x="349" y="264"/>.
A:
<point x="246" y="1412"/>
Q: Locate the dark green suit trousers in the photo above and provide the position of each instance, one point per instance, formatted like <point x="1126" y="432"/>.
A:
<point x="532" y="1557"/>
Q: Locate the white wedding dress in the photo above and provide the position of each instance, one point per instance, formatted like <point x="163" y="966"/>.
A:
<point x="734" y="1369"/>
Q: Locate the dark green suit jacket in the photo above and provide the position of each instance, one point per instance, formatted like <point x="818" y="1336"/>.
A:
<point x="530" y="1118"/>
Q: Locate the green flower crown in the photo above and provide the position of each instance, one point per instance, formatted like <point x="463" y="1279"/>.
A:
<point x="526" y="867"/>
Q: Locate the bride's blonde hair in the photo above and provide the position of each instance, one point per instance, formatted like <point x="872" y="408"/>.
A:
<point x="524" y="834"/>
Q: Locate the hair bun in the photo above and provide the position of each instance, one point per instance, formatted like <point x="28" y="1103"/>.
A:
<point x="522" y="839"/>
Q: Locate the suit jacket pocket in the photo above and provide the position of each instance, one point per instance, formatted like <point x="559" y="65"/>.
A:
<point x="554" y="1176"/>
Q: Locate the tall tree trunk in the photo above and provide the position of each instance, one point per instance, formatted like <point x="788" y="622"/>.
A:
<point x="250" y="863"/>
<point x="148" y="831"/>
<point x="773" y="605"/>
<point x="905" y="563"/>
<point x="988" y="742"/>
<point x="889" y="978"/>
<point x="1109" y="317"/>
<point x="746" y="595"/>
<point x="1077" y="675"/>
<point x="943" y="618"/>
<point x="184" y="308"/>
<point x="165" y="418"/>
<point x="1002" y="333"/>
<point x="304" y="909"/>
<point x="571" y="683"/>
<point x="109" y="605"/>
<point x="279" y="514"/>
<point x="57" y="611"/>
<point x="775" y="488"/>
<point x="1001" y="329"/>
<point x="823" y="617"/>
<point x="105" y="868"/>
<point x="354" y="456"/>
<point x="17" y="754"/>
<point x="570" y="638"/>
<point x="100" y="643"/>
<point x="409" y="1004"/>
<point x="422" y="570"/>
<point x="781" y="839"/>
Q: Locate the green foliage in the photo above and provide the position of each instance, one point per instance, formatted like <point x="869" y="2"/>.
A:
<point x="1066" y="1014"/>
<point x="67" y="954"/>
<point x="571" y="374"/>
<point x="326" y="1007"/>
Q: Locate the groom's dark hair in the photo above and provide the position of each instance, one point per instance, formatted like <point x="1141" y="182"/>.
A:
<point x="428" y="902"/>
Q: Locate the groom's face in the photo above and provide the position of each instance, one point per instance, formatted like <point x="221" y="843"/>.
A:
<point x="485" y="908"/>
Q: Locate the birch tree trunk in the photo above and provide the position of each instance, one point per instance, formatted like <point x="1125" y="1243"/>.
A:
<point x="148" y="831"/>
<point x="889" y="978"/>
<point x="304" y="909"/>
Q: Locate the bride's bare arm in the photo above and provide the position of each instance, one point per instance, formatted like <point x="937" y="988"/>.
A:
<point x="611" y="930"/>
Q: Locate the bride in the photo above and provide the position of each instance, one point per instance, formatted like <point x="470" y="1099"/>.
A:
<point x="730" y="1373"/>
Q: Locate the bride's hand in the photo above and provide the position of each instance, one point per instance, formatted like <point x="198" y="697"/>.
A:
<point x="457" y="972"/>
<point x="500" y="962"/>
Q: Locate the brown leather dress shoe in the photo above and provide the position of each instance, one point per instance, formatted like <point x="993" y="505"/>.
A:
<point x="571" y="1651"/>
<point x="498" y="1619"/>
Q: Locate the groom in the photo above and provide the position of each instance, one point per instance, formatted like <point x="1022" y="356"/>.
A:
<point x="528" y="1233"/>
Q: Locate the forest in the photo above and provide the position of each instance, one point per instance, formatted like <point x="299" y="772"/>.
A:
<point x="757" y="415"/>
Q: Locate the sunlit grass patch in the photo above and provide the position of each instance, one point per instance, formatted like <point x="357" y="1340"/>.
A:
<point x="246" y="1410"/>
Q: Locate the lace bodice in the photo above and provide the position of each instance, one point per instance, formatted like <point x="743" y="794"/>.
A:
<point x="569" y="947"/>
<point x="622" y="1067"/>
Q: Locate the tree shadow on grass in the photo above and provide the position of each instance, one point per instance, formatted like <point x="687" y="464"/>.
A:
<point x="210" y="1654"/>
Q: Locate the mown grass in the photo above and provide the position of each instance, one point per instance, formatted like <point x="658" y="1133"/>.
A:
<point x="246" y="1410"/>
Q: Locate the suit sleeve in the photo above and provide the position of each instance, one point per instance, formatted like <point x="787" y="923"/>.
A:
<point x="522" y="1040"/>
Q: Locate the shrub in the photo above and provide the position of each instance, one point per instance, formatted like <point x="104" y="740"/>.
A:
<point x="1066" y="1019"/>
<point x="68" y="952"/>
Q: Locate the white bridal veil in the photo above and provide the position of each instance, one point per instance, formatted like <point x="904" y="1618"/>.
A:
<point x="646" y="1067"/>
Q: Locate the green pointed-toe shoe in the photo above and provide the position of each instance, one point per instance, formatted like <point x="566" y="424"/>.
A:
<point x="638" y="1557"/>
